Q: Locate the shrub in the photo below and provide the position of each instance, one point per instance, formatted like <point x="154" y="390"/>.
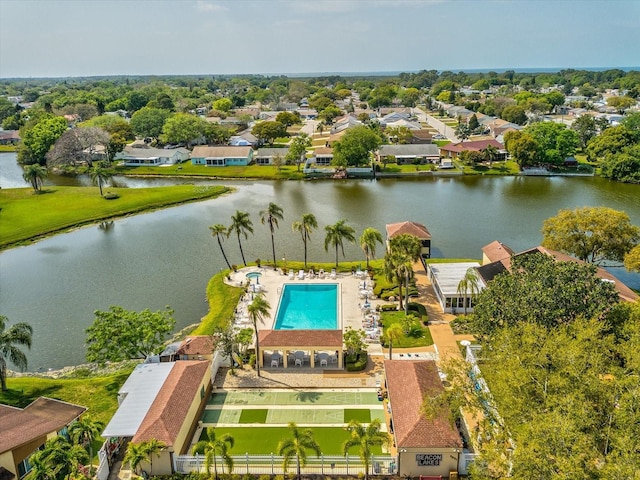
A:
<point x="358" y="363"/>
<point x="388" y="307"/>
<point x="111" y="196"/>
<point x="252" y="360"/>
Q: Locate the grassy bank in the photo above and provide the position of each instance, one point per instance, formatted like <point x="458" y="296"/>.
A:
<point x="286" y="172"/>
<point x="25" y="215"/>
<point x="98" y="394"/>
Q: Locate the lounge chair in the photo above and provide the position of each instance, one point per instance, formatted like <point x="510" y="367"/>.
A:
<point x="321" y="273"/>
<point x="333" y="274"/>
<point x="311" y="274"/>
<point x="301" y="275"/>
<point x="291" y="274"/>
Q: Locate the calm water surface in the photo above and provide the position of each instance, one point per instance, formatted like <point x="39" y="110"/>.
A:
<point x="167" y="257"/>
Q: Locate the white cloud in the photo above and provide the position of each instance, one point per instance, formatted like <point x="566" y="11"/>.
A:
<point x="208" y="6"/>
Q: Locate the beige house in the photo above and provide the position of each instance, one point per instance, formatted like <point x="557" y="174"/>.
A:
<point x="425" y="447"/>
<point x="162" y="401"/>
<point x="412" y="228"/>
<point x="24" y="430"/>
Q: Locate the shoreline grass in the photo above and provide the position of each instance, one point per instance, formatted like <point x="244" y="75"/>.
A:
<point x="26" y="216"/>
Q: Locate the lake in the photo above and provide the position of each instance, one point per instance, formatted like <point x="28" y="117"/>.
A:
<point x="167" y="257"/>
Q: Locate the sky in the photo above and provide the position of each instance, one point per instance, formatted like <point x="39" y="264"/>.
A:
<point x="51" y="38"/>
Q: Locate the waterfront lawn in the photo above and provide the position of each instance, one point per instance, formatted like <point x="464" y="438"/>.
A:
<point x="223" y="300"/>
<point x="411" y="168"/>
<point x="98" y="394"/>
<point x="508" y="167"/>
<point x="188" y="169"/>
<point x="417" y="338"/>
<point x="264" y="440"/>
<point x="25" y="215"/>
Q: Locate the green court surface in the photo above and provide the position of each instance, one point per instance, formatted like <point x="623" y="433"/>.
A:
<point x="305" y="398"/>
<point x="282" y="416"/>
<point x="264" y="442"/>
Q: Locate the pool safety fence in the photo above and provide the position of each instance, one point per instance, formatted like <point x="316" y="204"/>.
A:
<point x="273" y="465"/>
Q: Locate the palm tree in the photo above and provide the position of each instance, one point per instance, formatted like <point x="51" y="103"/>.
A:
<point x="271" y="216"/>
<point x="152" y="447"/>
<point x="490" y="154"/>
<point x="337" y="234"/>
<point x="10" y="338"/>
<point x="370" y="236"/>
<point x="469" y="284"/>
<point x="320" y="127"/>
<point x="99" y="174"/>
<point x="305" y="227"/>
<point x="41" y="467"/>
<point x="393" y="332"/>
<point x="258" y="310"/>
<point x="241" y="224"/>
<point x="297" y="446"/>
<point x="135" y="456"/>
<point x="217" y="231"/>
<point x="398" y="269"/>
<point x="34" y="175"/>
<point x="63" y="457"/>
<point x="365" y="438"/>
<point x="83" y="432"/>
<point x="211" y="447"/>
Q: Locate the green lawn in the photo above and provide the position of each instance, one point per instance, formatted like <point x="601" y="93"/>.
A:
<point x="98" y="394"/>
<point x="509" y="167"/>
<point x="264" y="440"/>
<point x="422" y="338"/>
<point x="25" y="215"/>
<point x="223" y="300"/>
<point x="188" y="169"/>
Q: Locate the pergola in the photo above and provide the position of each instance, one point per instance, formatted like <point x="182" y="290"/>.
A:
<point x="289" y="341"/>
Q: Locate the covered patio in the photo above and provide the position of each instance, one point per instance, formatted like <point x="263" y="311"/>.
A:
<point x="299" y="348"/>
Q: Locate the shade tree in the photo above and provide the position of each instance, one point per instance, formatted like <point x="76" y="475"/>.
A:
<point x="356" y="146"/>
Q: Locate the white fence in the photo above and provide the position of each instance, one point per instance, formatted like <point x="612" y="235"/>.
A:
<point x="272" y="465"/>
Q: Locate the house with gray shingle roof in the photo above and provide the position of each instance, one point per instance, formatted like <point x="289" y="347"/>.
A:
<point x="222" y="156"/>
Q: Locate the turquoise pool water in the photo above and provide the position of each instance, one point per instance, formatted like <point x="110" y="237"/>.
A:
<point x="308" y="307"/>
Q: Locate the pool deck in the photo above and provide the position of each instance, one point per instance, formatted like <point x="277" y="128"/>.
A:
<point x="272" y="282"/>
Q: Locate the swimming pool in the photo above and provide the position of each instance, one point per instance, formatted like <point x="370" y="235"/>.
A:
<point x="308" y="307"/>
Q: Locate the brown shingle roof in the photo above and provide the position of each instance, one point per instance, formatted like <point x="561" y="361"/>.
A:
<point x="474" y="146"/>
<point x="408" y="381"/>
<point x="300" y="338"/>
<point x="169" y="410"/>
<point x="220" y="152"/>
<point x="198" y="345"/>
<point x="412" y="228"/>
<point x="497" y="251"/>
<point x="42" y="416"/>
<point x="323" y="151"/>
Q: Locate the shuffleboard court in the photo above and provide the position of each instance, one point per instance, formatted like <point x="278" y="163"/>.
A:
<point x="306" y="398"/>
<point x="335" y="416"/>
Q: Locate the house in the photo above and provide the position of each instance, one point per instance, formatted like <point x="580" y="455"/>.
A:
<point x="453" y="150"/>
<point x="245" y="139"/>
<point x="402" y="123"/>
<point x="322" y="156"/>
<point x="496" y="259"/>
<point x="410" y="153"/>
<point x="265" y="156"/>
<point x="426" y="447"/>
<point x="9" y="137"/>
<point x="308" y="113"/>
<point x="222" y="156"/>
<point x="139" y="154"/>
<point x="161" y="401"/>
<point x="24" y="430"/>
<point x="412" y="228"/>
<point x="344" y="123"/>
<point x="446" y="278"/>
<point x="422" y="135"/>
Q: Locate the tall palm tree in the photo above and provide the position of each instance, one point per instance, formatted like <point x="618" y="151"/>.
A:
<point x="34" y="175"/>
<point x="99" y="174"/>
<point x="83" y="432"/>
<point x="393" y="332"/>
<point x="271" y="216"/>
<point x="365" y="438"/>
<point x="398" y="269"/>
<point x="258" y="310"/>
<point x="297" y="446"/>
<point x="368" y="239"/>
<point x="490" y="154"/>
<point x="152" y="447"/>
<point x="305" y="227"/>
<point x="337" y="234"/>
<point x="10" y="339"/>
<point x="217" y="231"/>
<point x="241" y="224"/>
<point x="64" y="457"/>
<point x="469" y="284"/>
<point x="41" y="467"/>
<point x="135" y="456"/>
<point x="211" y="446"/>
